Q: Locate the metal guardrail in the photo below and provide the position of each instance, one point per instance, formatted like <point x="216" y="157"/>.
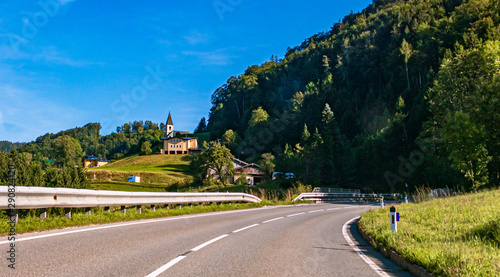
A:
<point x="335" y="190"/>
<point x="326" y="197"/>
<point x="43" y="197"/>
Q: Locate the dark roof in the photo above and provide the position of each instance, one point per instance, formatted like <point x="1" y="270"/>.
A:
<point x="169" y="119"/>
<point x="251" y="165"/>
<point x="94" y="158"/>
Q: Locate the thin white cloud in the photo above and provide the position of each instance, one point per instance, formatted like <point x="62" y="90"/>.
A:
<point x="165" y="42"/>
<point x="25" y="115"/>
<point x="51" y="55"/>
<point x="64" y="2"/>
<point x="48" y="55"/>
<point x="196" y="38"/>
<point x="218" y="57"/>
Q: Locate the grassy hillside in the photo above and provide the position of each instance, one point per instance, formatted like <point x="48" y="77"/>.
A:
<point x="157" y="172"/>
<point x="454" y="236"/>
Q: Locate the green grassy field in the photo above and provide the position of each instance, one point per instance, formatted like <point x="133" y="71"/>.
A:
<point x="174" y="165"/>
<point x="454" y="236"/>
<point x="157" y="172"/>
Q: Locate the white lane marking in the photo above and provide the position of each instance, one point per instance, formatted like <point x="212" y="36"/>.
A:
<point x="130" y="224"/>
<point x="315" y="211"/>
<point x="332" y="209"/>
<point x="166" y="266"/>
<point x="271" y="220"/>
<point x="208" y="243"/>
<point x="244" y="228"/>
<point x="363" y="256"/>
<point x="295" y="214"/>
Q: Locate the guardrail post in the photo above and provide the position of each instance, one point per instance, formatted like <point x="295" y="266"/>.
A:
<point x="382" y="203"/>
<point x="394" y="219"/>
<point x="43" y="213"/>
<point x="106" y="209"/>
<point x="124" y="210"/>
<point x="67" y="213"/>
<point x="139" y="209"/>
<point x="191" y="205"/>
<point x="88" y="211"/>
<point x="153" y="207"/>
<point x="13" y="215"/>
<point x="179" y="207"/>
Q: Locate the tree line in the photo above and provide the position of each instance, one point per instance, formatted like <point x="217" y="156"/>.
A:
<point x="55" y="160"/>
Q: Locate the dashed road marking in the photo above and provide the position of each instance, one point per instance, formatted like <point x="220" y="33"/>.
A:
<point x="166" y="266"/>
<point x="181" y="257"/>
<point x="315" y="211"/>
<point x="208" y="242"/>
<point x="290" y="215"/>
<point x="244" y="228"/>
<point x="271" y="220"/>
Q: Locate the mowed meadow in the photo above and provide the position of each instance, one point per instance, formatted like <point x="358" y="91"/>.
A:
<point x="453" y="236"/>
<point x="157" y="172"/>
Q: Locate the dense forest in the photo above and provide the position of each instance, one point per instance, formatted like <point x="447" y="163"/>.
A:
<point x="405" y="92"/>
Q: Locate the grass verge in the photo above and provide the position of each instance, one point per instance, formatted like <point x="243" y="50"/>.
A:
<point x="454" y="236"/>
<point x="56" y="220"/>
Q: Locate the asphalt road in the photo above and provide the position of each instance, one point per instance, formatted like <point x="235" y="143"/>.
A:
<point x="304" y="240"/>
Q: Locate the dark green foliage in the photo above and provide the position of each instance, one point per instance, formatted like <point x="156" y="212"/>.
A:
<point x="146" y="148"/>
<point x="54" y="160"/>
<point x="373" y="70"/>
<point x="7" y="146"/>
<point x="214" y="161"/>
<point x="30" y="173"/>
<point x="202" y="126"/>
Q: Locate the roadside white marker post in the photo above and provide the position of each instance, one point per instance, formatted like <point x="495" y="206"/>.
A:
<point x="67" y="213"/>
<point x="406" y="199"/>
<point x="382" y="204"/>
<point x="13" y="215"/>
<point x="394" y="219"/>
<point x="43" y="213"/>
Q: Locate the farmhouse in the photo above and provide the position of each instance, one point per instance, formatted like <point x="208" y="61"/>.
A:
<point x="92" y="161"/>
<point x="251" y="172"/>
<point x="173" y="143"/>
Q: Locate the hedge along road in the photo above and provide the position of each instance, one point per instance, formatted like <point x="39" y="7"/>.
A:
<point x="304" y="240"/>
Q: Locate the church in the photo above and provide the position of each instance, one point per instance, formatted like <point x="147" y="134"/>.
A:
<point x="174" y="143"/>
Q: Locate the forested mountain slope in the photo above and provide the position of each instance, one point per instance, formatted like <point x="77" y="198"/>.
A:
<point x="366" y="103"/>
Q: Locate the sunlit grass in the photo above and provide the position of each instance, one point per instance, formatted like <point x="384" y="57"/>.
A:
<point x="454" y="236"/>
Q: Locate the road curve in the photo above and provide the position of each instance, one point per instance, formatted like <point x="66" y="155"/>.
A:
<point x="304" y="240"/>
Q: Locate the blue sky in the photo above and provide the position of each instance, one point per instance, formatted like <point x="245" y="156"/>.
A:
<point x="65" y="63"/>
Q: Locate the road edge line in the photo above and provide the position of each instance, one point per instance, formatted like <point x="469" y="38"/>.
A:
<point x="363" y="256"/>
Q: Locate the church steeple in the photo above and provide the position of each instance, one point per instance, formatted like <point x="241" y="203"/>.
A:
<point x="170" y="125"/>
